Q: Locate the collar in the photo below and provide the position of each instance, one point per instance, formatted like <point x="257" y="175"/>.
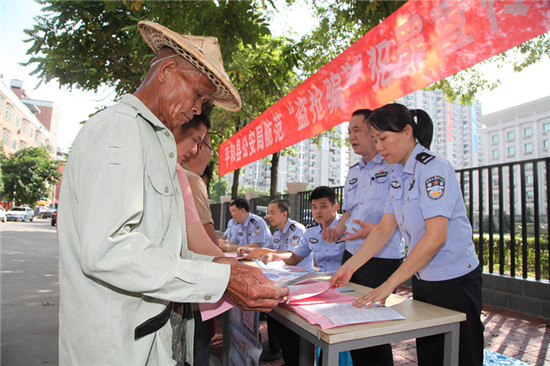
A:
<point x="287" y="225"/>
<point x="411" y="161"/>
<point x="136" y="104"/>
<point x="374" y="161"/>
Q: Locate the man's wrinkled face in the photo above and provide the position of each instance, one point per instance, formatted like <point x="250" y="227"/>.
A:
<point x="187" y="142"/>
<point x="184" y="92"/>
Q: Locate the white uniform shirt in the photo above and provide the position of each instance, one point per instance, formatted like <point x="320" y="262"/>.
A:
<point x="427" y="187"/>
<point x="365" y="195"/>
<point x="122" y="245"/>
<point x="327" y="256"/>
<point x="253" y="230"/>
<point x="288" y="239"/>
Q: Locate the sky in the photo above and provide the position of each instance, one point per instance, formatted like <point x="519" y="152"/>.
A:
<point x="75" y="105"/>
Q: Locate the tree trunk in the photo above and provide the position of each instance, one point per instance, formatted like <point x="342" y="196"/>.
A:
<point x="274" y="173"/>
<point x="235" y="186"/>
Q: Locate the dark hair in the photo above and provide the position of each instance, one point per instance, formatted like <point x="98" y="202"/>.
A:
<point x="362" y="112"/>
<point x="394" y="117"/>
<point x="196" y="121"/>
<point x="208" y="173"/>
<point x="240" y="202"/>
<point x="322" y="192"/>
<point x="282" y="205"/>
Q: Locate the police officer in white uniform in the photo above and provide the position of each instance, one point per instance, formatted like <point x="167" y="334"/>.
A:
<point x="285" y="239"/>
<point x="366" y="193"/>
<point x="250" y="230"/>
<point x="427" y="205"/>
<point x="327" y="256"/>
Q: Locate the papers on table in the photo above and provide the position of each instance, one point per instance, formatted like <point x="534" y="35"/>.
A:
<point x="284" y="275"/>
<point x="328" y="308"/>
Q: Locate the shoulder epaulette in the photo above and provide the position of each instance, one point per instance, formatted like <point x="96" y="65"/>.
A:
<point x="424" y="157"/>
<point x="354" y="164"/>
<point x="292" y="227"/>
<point x="312" y="225"/>
<point x="253" y="221"/>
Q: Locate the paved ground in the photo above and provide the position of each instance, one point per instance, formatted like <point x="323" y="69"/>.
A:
<point x="29" y="295"/>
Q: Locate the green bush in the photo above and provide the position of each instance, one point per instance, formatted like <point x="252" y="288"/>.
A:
<point x="544" y="270"/>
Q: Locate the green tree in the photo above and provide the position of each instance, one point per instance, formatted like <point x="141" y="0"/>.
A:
<point x="263" y="74"/>
<point x="219" y="189"/>
<point x="27" y="174"/>
<point x="89" y="44"/>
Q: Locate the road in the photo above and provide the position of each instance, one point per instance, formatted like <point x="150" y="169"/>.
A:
<point x="29" y="293"/>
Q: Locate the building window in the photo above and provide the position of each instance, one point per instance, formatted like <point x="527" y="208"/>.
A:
<point x="511" y="150"/>
<point x="528" y="147"/>
<point x="546" y="127"/>
<point x="14" y="144"/>
<point x="2" y="103"/>
<point x="495" y="153"/>
<point x="6" y="138"/>
<point x="9" y="112"/>
<point x="25" y="126"/>
<point x="17" y="121"/>
<point x="510" y="135"/>
<point x="529" y="179"/>
<point x="494" y="138"/>
<point x="527" y="131"/>
<point x="545" y="144"/>
<point x="31" y="133"/>
<point x="22" y="145"/>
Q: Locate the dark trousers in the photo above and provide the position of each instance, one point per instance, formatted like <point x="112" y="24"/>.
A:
<point x="461" y="294"/>
<point x="372" y="274"/>
<point x="202" y="340"/>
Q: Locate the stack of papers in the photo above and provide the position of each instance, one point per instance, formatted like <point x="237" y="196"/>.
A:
<point x="328" y="308"/>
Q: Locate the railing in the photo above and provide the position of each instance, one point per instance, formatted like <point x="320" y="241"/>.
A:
<point x="511" y="233"/>
<point x="510" y="225"/>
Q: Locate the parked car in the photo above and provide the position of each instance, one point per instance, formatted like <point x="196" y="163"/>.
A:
<point x="2" y="214"/>
<point x="54" y="218"/>
<point x="45" y="212"/>
<point x="20" y="213"/>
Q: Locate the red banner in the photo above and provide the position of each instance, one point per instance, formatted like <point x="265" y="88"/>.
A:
<point x="419" y="44"/>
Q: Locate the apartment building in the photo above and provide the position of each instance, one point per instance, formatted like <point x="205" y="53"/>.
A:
<point x="26" y="122"/>
<point x="519" y="133"/>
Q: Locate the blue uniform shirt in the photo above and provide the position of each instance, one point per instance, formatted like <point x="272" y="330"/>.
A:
<point x="230" y="231"/>
<point x="327" y="256"/>
<point x="365" y="195"/>
<point x="427" y="187"/>
<point x="288" y="239"/>
<point x="253" y="230"/>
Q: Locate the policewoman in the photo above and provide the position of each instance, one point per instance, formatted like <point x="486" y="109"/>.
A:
<point x="366" y="192"/>
<point x="427" y="205"/>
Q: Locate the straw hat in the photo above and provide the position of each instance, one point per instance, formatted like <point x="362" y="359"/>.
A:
<point x="202" y="52"/>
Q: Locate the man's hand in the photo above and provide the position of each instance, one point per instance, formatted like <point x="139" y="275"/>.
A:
<point x="331" y="234"/>
<point x="366" y="228"/>
<point x="249" y="289"/>
<point x="244" y="251"/>
<point x="228" y="247"/>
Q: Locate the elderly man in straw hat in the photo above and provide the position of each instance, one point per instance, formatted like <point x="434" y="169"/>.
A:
<point x="123" y="257"/>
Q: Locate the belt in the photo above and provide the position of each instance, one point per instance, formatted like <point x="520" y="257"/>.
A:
<point x="158" y="321"/>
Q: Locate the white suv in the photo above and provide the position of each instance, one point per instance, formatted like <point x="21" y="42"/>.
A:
<point x="20" y="213"/>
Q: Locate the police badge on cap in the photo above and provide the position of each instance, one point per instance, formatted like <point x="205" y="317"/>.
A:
<point x="435" y="187"/>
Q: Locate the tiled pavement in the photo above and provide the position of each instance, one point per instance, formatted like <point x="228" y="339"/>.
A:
<point x="510" y="333"/>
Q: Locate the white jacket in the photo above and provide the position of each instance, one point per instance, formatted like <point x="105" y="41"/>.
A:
<point x="122" y="244"/>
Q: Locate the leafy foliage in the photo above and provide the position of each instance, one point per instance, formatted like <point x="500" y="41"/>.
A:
<point x="26" y="175"/>
<point x="87" y="44"/>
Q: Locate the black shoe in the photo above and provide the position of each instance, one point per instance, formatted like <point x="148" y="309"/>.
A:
<point x="272" y="355"/>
